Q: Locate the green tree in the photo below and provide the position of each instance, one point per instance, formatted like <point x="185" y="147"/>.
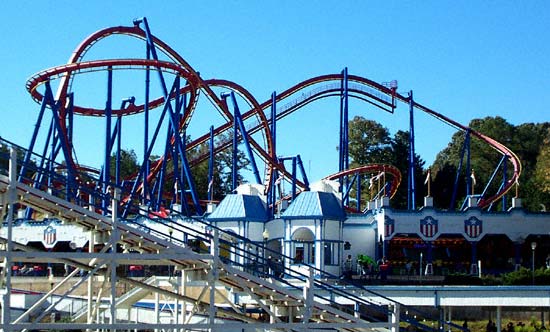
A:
<point x="4" y="159"/>
<point x="222" y="169"/>
<point x="525" y="140"/>
<point x="129" y="166"/>
<point x="483" y="160"/>
<point x="542" y="174"/>
<point x="400" y="158"/>
<point x="370" y="142"/>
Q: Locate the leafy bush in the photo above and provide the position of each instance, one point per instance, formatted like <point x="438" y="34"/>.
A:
<point x="462" y="279"/>
<point x="523" y="276"/>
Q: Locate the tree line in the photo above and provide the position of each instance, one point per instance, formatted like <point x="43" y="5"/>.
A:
<point x="370" y="142"/>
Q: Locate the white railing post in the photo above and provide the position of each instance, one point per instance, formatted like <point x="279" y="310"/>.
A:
<point x="213" y="277"/>
<point x="308" y="297"/>
<point x="10" y="198"/>
<point x="114" y="241"/>
<point x="394" y="321"/>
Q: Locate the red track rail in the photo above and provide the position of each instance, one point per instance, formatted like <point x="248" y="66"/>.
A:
<point x="366" y="90"/>
<point x="372" y="168"/>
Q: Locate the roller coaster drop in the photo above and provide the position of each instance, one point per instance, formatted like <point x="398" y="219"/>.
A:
<point x="179" y="102"/>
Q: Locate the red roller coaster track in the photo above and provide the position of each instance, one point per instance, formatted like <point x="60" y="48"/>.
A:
<point x="298" y="96"/>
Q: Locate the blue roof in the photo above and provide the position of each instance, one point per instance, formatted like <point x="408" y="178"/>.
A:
<point x="315" y="205"/>
<point x="240" y="207"/>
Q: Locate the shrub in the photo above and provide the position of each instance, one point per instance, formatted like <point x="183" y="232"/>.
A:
<point x="523" y="276"/>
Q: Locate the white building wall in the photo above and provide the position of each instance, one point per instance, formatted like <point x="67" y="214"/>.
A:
<point x="361" y="233"/>
<point x="517" y="224"/>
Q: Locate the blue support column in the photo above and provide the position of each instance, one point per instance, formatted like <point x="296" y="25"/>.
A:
<point x="238" y="125"/>
<point x="168" y="151"/>
<point x="176" y="136"/>
<point x="465" y="147"/>
<point x="183" y="138"/>
<point x="70" y="180"/>
<point x="274" y="186"/>
<point x="211" y="165"/>
<point x="185" y="170"/>
<point x="70" y="118"/>
<point x="179" y="145"/>
<point x="412" y="161"/>
<point x="346" y="194"/>
<point x="146" y="161"/>
<point x="118" y="127"/>
<point x="50" y="164"/>
<point x="469" y="182"/>
<point x="303" y="171"/>
<point x="502" y="163"/>
<point x="235" y="147"/>
<point x="275" y="175"/>
<point x="504" y="180"/>
<point x="56" y="136"/>
<point x="29" y="152"/>
<point x="274" y="124"/>
<point x="176" y="171"/>
<point x="246" y="140"/>
<point x="107" y="156"/>
<point x="59" y="141"/>
<point x="173" y="122"/>
<point x="44" y="164"/>
<point x="293" y="178"/>
<point x="343" y="147"/>
<point x="172" y="135"/>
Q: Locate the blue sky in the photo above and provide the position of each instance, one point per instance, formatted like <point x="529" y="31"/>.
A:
<point x="464" y="59"/>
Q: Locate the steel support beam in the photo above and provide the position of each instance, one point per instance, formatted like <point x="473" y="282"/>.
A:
<point x="412" y="156"/>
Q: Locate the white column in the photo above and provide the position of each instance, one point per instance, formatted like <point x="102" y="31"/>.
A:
<point x="176" y="305"/>
<point x="157" y="309"/>
<point x="114" y="241"/>
<point x="287" y="245"/>
<point x="10" y="198"/>
<point x="450" y="316"/>
<point x="213" y="276"/>
<point x="318" y="244"/>
<point x="394" y="317"/>
<point x="308" y="296"/>
<point x="499" y="319"/>
<point x="184" y="292"/>
<point x="91" y="243"/>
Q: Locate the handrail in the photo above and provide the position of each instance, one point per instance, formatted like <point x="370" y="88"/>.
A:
<point x="177" y="222"/>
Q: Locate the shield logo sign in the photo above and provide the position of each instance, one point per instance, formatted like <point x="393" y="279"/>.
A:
<point x="50" y="237"/>
<point x="473" y="227"/>
<point x="428" y="226"/>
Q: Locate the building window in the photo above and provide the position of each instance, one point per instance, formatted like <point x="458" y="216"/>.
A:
<point x="299" y="254"/>
<point x="303" y="246"/>
<point x="304" y="253"/>
<point x="331" y="253"/>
